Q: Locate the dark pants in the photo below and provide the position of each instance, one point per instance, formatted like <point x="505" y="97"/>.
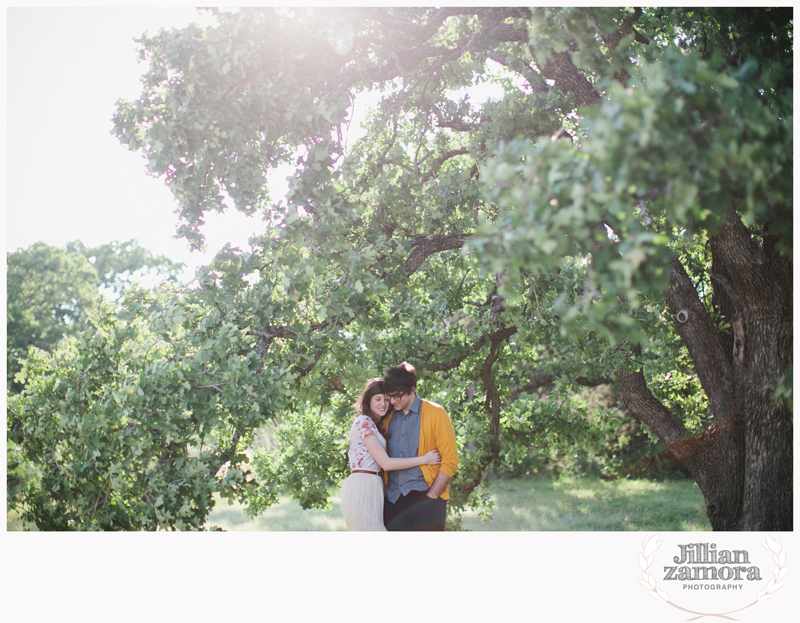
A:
<point x="415" y="512"/>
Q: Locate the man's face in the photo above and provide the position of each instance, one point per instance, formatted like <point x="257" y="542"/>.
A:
<point x="402" y="401"/>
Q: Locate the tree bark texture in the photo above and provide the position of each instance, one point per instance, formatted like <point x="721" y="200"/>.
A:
<point x="743" y="462"/>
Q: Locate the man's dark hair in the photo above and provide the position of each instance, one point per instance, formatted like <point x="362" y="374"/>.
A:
<point x="402" y="377"/>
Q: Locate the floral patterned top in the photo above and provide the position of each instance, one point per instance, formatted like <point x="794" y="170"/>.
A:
<point x="359" y="456"/>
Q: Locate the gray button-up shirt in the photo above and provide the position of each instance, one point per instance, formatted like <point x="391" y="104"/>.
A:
<point x="404" y="443"/>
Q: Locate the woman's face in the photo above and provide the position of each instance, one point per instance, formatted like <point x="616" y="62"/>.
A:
<point x="379" y="404"/>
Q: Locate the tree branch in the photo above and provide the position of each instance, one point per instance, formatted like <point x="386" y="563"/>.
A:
<point x="454" y="363"/>
<point x="226" y="455"/>
<point x="426" y="245"/>
<point x="493" y="405"/>
<point x="560" y="68"/>
<point x="539" y="382"/>
<point x="504" y="333"/>
<point x="536" y="82"/>
<point x="751" y="274"/>
<point x="696" y="329"/>
<point x="440" y="161"/>
<point x="640" y="400"/>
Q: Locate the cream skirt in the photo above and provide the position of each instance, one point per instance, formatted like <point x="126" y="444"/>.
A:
<point x="362" y="502"/>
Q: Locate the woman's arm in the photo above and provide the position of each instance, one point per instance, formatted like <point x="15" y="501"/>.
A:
<point x="389" y="464"/>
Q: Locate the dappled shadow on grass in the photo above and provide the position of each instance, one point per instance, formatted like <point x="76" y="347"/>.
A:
<point x="584" y="504"/>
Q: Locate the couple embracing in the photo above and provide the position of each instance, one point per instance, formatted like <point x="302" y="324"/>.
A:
<point x="402" y="456"/>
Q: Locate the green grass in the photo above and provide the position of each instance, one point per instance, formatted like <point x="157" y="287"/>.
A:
<point x="14" y="523"/>
<point x="586" y="504"/>
<point x="526" y="504"/>
<point x="287" y="516"/>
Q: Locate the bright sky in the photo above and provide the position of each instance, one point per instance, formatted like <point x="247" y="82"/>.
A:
<point x="68" y="177"/>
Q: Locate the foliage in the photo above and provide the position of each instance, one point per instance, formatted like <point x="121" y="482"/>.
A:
<point x="509" y="221"/>
<point x="126" y="417"/>
<point x="50" y="289"/>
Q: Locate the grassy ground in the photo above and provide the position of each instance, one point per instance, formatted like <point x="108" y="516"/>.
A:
<point x="527" y="504"/>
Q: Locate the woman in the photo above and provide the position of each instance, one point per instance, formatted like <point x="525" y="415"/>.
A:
<point x="362" y="490"/>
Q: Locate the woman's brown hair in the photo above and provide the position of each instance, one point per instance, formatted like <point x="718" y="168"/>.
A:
<point x="372" y="388"/>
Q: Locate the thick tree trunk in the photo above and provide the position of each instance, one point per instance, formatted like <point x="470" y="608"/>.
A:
<point x="743" y="462"/>
<point x="760" y="289"/>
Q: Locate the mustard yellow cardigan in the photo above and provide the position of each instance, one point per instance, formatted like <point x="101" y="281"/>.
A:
<point x="435" y="432"/>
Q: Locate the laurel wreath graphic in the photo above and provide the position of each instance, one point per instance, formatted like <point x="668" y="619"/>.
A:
<point x="648" y="580"/>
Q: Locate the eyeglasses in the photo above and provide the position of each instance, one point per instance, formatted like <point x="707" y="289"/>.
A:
<point x="394" y="397"/>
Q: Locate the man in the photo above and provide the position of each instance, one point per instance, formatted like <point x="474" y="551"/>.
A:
<point x="416" y="498"/>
